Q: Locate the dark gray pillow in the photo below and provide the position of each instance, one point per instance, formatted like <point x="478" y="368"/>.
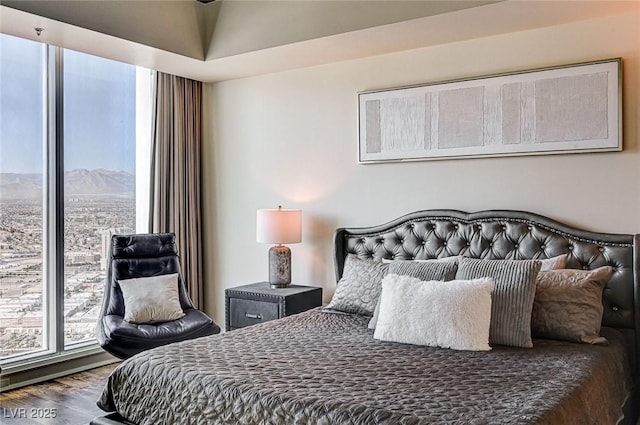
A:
<point x="360" y="286"/>
<point x="568" y="305"/>
<point x="512" y="298"/>
<point x="425" y="270"/>
<point x="441" y="269"/>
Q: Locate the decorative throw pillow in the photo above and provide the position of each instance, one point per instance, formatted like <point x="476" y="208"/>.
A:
<point x="515" y="288"/>
<point x="454" y="314"/>
<point x="568" y="305"/>
<point x="359" y="288"/>
<point x="554" y="263"/>
<point x="151" y="299"/>
<point x="425" y="270"/>
<point x="438" y="269"/>
<point x="453" y="258"/>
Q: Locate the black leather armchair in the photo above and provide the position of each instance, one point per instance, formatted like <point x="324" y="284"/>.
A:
<point x="134" y="256"/>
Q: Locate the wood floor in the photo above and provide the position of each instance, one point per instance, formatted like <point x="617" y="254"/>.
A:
<point x="72" y="399"/>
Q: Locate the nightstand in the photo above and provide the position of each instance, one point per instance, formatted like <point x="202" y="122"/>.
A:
<point x="258" y="303"/>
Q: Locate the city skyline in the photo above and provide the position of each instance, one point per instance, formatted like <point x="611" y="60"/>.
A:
<point x="22" y="322"/>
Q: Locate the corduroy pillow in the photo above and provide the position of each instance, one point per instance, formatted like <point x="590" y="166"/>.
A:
<point x="568" y="305"/>
<point x="512" y="300"/>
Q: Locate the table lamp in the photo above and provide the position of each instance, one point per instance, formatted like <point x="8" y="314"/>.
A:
<point x="279" y="226"/>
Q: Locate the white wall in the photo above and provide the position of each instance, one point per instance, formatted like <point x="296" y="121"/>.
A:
<point x="290" y="138"/>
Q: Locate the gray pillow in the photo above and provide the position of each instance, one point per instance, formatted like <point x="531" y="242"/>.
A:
<point x="554" y="263"/>
<point x="512" y="299"/>
<point x="360" y="286"/>
<point x="424" y="270"/>
<point x="151" y="299"/>
<point x="568" y="305"/>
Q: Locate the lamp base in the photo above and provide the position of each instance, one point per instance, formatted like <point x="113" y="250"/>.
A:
<point x="279" y="266"/>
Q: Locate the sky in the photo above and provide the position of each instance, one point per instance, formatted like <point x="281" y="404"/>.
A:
<point x="99" y="110"/>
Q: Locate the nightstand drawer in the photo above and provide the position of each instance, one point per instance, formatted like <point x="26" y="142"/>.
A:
<point x="249" y="312"/>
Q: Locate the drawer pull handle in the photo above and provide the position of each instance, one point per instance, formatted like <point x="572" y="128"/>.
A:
<point x="253" y="316"/>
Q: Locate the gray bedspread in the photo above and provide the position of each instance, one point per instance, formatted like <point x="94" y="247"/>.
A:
<point x="317" y="368"/>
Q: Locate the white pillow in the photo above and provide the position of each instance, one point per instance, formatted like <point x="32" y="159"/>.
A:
<point x="151" y="299"/>
<point x="454" y="314"/>
<point x="432" y="276"/>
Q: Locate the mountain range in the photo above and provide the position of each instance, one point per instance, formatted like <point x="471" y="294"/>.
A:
<point x="79" y="182"/>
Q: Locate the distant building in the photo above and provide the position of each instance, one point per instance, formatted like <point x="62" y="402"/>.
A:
<point x="74" y="258"/>
<point x="106" y="245"/>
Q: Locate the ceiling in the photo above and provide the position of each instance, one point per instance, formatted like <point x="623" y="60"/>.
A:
<point x="227" y="39"/>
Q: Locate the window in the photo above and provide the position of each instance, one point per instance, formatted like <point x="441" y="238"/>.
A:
<point x="22" y="206"/>
<point x="99" y="179"/>
<point x="71" y="128"/>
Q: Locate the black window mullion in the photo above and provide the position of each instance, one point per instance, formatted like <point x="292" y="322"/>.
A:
<point x="59" y="198"/>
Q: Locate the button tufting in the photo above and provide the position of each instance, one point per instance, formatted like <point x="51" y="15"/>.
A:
<point x="515" y="245"/>
<point x="424" y="242"/>
<point x="570" y="248"/>
<point x="614" y="308"/>
<point x="413" y="257"/>
<point x="601" y="249"/>
<point x="444" y="243"/>
<point x="504" y="227"/>
<point x="542" y="247"/>
<point x="468" y="244"/>
<point x="585" y="267"/>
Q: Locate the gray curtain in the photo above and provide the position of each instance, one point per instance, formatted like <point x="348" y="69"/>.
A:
<point x="175" y="172"/>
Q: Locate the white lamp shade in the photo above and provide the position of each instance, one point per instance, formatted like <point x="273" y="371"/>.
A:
<point x="279" y="226"/>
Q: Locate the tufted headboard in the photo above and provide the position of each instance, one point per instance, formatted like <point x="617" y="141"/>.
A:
<point x="504" y="234"/>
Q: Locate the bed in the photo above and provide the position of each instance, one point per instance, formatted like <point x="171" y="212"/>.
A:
<point x="322" y="367"/>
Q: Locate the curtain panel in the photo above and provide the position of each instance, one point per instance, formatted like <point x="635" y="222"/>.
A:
<point x="175" y="173"/>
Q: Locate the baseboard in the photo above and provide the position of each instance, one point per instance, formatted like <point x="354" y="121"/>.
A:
<point x="20" y="378"/>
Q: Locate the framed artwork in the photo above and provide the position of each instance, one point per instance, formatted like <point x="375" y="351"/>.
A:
<point x="565" y="109"/>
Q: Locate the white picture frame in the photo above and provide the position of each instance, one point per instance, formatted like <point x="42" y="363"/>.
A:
<point x="563" y="109"/>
